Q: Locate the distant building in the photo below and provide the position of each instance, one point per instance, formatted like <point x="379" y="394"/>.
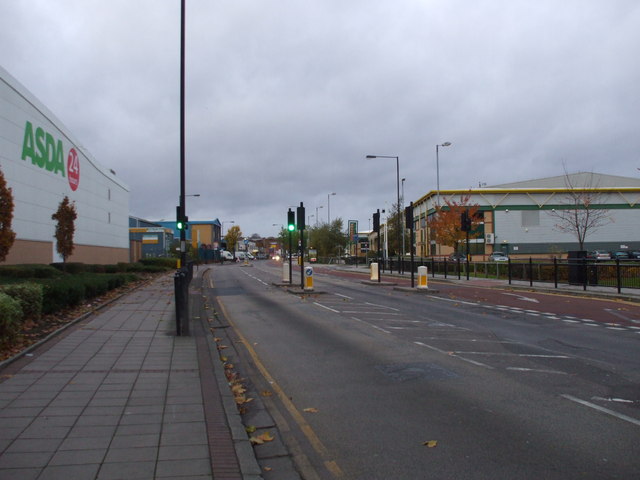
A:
<point x="42" y="163"/>
<point x="148" y="239"/>
<point x="517" y="218"/>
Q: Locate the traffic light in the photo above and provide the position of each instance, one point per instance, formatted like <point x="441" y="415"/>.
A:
<point x="408" y="216"/>
<point x="465" y="221"/>
<point x="181" y="219"/>
<point x="291" y="220"/>
<point x="300" y="211"/>
<point x="376" y="221"/>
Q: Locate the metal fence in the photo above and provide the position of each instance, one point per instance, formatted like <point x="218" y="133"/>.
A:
<point x="616" y="274"/>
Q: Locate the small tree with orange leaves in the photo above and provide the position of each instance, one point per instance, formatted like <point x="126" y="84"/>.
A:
<point x="7" y="236"/>
<point x="65" y="228"/>
<point x="445" y="224"/>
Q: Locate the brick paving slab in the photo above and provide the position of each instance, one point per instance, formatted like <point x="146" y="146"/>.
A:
<point x="118" y="395"/>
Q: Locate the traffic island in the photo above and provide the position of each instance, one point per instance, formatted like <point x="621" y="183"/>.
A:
<point x="416" y="290"/>
<point x="375" y="283"/>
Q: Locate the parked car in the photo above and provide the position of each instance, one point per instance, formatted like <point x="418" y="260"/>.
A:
<point x="599" y="255"/>
<point x="457" y="257"/>
<point x="498" y="257"/>
<point x="635" y="255"/>
<point x="620" y="255"/>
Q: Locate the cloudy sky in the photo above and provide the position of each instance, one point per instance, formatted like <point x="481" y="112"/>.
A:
<point x="285" y="98"/>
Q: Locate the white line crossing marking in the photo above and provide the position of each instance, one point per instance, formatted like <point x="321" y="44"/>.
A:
<point x="620" y="416"/>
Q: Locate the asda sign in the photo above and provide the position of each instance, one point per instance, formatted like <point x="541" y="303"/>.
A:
<point x="47" y="152"/>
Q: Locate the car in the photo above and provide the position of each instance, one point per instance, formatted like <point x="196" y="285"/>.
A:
<point x="599" y="255"/>
<point x="498" y="257"/>
<point x="635" y="254"/>
<point x="620" y="255"/>
<point x="457" y="257"/>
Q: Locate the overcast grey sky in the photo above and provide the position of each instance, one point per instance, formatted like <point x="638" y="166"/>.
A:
<point x="285" y="98"/>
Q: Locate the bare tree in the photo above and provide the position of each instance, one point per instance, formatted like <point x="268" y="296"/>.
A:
<point x="581" y="213"/>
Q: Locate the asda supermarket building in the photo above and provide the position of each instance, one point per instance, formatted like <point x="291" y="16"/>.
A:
<point x="42" y="163"/>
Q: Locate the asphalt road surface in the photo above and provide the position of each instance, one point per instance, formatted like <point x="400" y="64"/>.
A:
<point x="470" y="383"/>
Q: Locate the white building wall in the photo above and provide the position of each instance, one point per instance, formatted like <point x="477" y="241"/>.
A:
<point x="102" y="201"/>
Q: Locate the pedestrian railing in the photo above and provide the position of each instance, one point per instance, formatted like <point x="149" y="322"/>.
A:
<point x="587" y="273"/>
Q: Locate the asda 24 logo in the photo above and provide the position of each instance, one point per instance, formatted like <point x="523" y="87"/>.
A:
<point x="47" y="152"/>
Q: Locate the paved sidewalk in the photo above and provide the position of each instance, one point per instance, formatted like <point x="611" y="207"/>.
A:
<point x="119" y="396"/>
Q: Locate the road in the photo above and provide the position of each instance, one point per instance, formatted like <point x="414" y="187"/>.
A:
<point x="467" y="383"/>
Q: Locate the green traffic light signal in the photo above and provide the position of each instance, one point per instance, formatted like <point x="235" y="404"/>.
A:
<point x="291" y="221"/>
<point x="180" y="225"/>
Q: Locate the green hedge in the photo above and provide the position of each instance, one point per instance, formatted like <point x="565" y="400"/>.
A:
<point x="11" y="272"/>
<point x="69" y="291"/>
<point x="10" y="318"/>
<point x="30" y="297"/>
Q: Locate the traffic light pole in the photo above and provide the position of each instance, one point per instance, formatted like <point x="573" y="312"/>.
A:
<point x="183" y="236"/>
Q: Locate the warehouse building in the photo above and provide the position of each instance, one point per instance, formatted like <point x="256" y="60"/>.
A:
<point x="42" y="163"/>
<point x="521" y="219"/>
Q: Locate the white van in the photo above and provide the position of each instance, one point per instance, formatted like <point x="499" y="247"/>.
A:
<point x="226" y="255"/>
<point x="242" y="255"/>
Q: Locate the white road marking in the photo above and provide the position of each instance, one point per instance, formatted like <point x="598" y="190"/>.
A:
<point x="382" y="306"/>
<point x="343" y="296"/>
<point x="324" y="306"/>
<point x="522" y="297"/>
<point x="609" y="399"/>
<point x="501" y="354"/>
<point x="452" y="354"/>
<point x="620" y="416"/>
<point x="535" y="370"/>
<point x="371" y="325"/>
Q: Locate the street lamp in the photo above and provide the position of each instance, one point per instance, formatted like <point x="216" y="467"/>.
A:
<point x="329" y="207"/>
<point x="404" y="229"/>
<point x="317" y="214"/>
<point x="398" y="197"/>
<point x="445" y="144"/>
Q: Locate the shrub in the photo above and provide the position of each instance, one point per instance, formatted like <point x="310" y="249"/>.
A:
<point x="70" y="267"/>
<point x="29" y="271"/>
<point x="167" y="263"/>
<point x="61" y="293"/>
<point x="10" y="318"/>
<point x="30" y="297"/>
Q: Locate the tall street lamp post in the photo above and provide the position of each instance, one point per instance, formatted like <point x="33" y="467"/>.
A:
<point x="398" y="198"/>
<point x="317" y="208"/>
<point x="445" y="144"/>
<point x="329" y="207"/>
